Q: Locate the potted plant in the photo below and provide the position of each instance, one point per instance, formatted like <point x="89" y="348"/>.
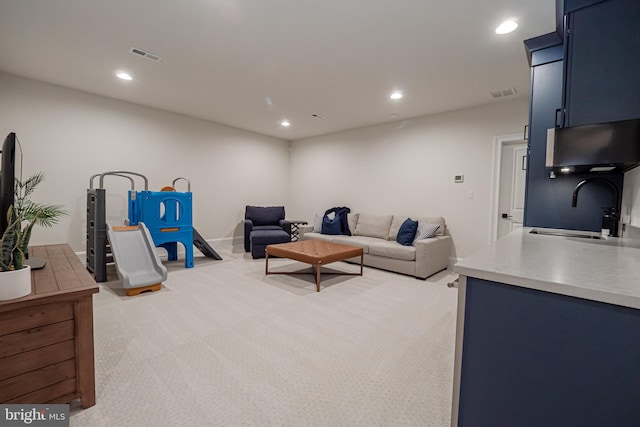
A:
<point x="22" y="216"/>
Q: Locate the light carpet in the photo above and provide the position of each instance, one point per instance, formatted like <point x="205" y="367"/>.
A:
<point x="222" y="344"/>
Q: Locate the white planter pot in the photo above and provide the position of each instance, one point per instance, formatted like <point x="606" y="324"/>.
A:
<point x="15" y="284"/>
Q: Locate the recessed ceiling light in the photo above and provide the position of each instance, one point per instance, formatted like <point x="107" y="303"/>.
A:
<point x="506" y="27"/>
<point x="124" y="76"/>
<point x="285" y="123"/>
<point x="396" y="95"/>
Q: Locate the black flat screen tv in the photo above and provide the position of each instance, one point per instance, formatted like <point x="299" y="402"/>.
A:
<point x="11" y="168"/>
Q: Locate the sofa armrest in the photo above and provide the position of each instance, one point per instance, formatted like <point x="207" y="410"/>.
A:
<point x="432" y="255"/>
<point x="286" y="225"/>
<point x="248" y="226"/>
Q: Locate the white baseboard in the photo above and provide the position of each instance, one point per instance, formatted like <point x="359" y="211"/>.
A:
<point x="453" y="261"/>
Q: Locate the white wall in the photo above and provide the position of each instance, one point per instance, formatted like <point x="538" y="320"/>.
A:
<point x="407" y="167"/>
<point x="400" y="167"/>
<point x="71" y="135"/>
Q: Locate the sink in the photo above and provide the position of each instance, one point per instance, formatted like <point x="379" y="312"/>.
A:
<point x="562" y="233"/>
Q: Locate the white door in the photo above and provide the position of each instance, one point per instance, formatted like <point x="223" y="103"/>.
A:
<point x="513" y="172"/>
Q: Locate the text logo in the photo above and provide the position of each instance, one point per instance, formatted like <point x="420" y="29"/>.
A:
<point x="34" y="415"/>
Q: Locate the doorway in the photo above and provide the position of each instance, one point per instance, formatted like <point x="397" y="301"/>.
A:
<point x="510" y="169"/>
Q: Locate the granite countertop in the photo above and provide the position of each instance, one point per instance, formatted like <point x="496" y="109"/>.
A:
<point x="606" y="270"/>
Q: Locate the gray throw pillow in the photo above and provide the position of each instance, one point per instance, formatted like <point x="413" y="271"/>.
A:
<point x="373" y="226"/>
<point x="317" y="223"/>
<point x="425" y="230"/>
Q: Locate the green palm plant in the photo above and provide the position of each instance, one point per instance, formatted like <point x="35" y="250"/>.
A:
<point x="22" y="216"/>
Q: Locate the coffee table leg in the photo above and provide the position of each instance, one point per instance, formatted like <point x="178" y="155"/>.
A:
<point x="266" y="263"/>
<point x="361" y="263"/>
<point x="318" y="278"/>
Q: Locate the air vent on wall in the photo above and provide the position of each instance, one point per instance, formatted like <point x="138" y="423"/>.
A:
<point x="145" y="54"/>
<point x="504" y="92"/>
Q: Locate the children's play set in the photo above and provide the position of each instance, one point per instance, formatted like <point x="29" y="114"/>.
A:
<point x="155" y="219"/>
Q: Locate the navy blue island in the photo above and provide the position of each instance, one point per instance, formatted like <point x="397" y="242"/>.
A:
<point x="548" y="332"/>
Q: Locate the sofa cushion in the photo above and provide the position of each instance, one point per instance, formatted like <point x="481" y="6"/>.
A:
<point x="426" y="230"/>
<point x="396" y="222"/>
<point x="407" y="232"/>
<point x="267" y="227"/>
<point x="393" y="250"/>
<point x="319" y="236"/>
<point x="434" y="220"/>
<point x="360" y="241"/>
<point x="373" y="226"/>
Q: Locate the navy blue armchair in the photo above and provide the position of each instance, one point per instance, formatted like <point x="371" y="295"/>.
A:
<point x="264" y="226"/>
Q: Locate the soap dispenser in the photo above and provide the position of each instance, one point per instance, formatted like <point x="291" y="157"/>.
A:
<point x="610" y="222"/>
<point x="606" y="221"/>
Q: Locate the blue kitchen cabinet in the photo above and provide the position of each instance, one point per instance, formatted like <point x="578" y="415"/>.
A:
<point x="548" y="200"/>
<point x="602" y="82"/>
<point x="546" y="97"/>
<point x="534" y="358"/>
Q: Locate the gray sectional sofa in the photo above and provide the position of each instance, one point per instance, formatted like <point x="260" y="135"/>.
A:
<point x="377" y="234"/>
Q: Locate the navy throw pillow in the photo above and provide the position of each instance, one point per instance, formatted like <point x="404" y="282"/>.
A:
<point x="407" y="232"/>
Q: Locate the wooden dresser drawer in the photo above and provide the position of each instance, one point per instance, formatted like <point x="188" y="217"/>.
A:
<point x="37" y="351"/>
<point x="35" y="359"/>
<point x="46" y="337"/>
<point x="20" y="385"/>
<point x="46" y="314"/>
<point x="31" y="339"/>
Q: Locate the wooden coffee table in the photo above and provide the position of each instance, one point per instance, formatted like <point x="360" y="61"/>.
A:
<point x="314" y="252"/>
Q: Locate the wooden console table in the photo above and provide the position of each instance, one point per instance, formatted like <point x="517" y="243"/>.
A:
<point x="46" y="338"/>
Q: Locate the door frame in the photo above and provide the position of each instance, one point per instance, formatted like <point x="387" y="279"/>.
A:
<point x="498" y="142"/>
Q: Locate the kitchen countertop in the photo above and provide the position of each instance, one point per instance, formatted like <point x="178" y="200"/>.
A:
<point x="606" y="270"/>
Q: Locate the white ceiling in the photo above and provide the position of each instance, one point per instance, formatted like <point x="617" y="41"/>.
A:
<point x="251" y="63"/>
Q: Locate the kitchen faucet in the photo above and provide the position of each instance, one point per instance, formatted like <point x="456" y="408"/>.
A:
<point x="611" y="217"/>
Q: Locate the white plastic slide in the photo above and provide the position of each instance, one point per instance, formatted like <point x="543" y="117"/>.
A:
<point x="135" y="256"/>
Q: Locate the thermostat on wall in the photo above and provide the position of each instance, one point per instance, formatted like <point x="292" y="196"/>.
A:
<point x="458" y="178"/>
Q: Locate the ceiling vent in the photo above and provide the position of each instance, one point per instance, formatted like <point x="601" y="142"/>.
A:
<point x="145" y="54"/>
<point x="317" y="116"/>
<point x="504" y="92"/>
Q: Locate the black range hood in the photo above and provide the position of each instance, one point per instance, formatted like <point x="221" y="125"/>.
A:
<point x="602" y="147"/>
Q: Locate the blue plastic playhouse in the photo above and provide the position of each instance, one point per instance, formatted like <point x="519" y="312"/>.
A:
<point x="168" y="216"/>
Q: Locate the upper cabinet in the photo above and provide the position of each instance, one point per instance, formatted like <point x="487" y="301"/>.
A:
<point x="589" y="75"/>
<point x="548" y="198"/>
<point x="602" y="61"/>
